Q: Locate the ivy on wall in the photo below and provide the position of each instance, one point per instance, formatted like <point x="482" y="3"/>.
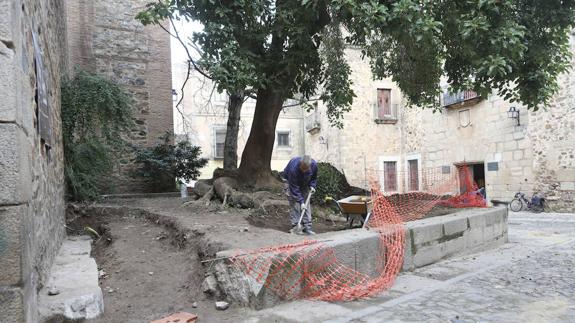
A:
<point x="96" y="116"/>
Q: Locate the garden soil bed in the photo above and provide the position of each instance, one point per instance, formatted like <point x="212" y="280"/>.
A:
<point x="277" y="218"/>
<point x="148" y="271"/>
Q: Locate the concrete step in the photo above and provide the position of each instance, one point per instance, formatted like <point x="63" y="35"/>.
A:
<point x="72" y="291"/>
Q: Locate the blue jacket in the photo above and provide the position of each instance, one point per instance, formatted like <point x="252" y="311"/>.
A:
<point x="299" y="181"/>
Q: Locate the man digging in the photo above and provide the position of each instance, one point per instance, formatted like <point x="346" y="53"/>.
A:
<point x="301" y="176"/>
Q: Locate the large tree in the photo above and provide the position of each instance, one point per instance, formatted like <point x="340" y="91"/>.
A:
<point x="287" y="48"/>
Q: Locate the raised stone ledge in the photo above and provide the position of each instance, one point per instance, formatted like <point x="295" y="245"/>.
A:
<point x="426" y="241"/>
<point x="74" y="280"/>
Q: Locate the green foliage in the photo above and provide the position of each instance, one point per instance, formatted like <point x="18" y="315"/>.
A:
<point x="162" y="163"/>
<point x="517" y="47"/>
<point x="96" y="114"/>
<point x="330" y="182"/>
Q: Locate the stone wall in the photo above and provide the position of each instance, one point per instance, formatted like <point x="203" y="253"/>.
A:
<point x="105" y="37"/>
<point x="31" y="156"/>
<point x="480" y="133"/>
<point x="552" y="134"/>
<point x="357" y="148"/>
<point x="205" y="110"/>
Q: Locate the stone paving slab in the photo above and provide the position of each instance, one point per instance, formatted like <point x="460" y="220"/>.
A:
<point x="72" y="290"/>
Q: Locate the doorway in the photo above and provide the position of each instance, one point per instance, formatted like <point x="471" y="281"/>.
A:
<point x="471" y="171"/>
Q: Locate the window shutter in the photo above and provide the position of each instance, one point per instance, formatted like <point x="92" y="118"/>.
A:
<point x="384" y="104"/>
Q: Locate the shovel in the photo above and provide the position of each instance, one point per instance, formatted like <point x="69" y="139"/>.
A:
<point x="307" y="201"/>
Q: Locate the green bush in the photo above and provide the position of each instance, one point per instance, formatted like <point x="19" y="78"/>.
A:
<point x="330" y="182"/>
<point x="163" y="163"/>
<point x="96" y="113"/>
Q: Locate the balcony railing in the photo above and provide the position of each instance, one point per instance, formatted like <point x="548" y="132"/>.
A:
<point x="381" y="116"/>
<point x="458" y="97"/>
<point x="313" y="122"/>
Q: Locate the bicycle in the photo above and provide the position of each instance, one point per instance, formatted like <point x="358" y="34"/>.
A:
<point x="537" y="204"/>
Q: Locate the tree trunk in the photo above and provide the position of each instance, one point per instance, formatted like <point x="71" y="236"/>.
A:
<point x="231" y="144"/>
<point x="255" y="166"/>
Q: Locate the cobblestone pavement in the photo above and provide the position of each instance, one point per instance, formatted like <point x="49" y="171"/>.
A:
<point x="530" y="279"/>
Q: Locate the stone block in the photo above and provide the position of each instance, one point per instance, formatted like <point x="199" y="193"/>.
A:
<point x="474" y="237"/>
<point x="75" y="276"/>
<point x="523" y="144"/>
<point x="454" y="226"/>
<point x="428" y="255"/>
<point x="6" y="22"/>
<point x="454" y="246"/>
<point x="492" y="217"/>
<point x="12" y="305"/>
<point x="8" y="92"/>
<point x="568" y="186"/>
<point x="507" y="155"/>
<point x="518" y="155"/>
<point x="476" y="220"/>
<point x="358" y="249"/>
<point x="11" y="244"/>
<point x="408" y="252"/>
<point x="15" y="176"/>
<point x="492" y="233"/>
<point x="423" y="233"/>
<point x="510" y="145"/>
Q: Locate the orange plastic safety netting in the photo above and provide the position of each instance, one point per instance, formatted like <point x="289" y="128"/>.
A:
<point x="319" y="269"/>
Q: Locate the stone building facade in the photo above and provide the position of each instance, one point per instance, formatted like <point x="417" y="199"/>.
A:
<point x="203" y="117"/>
<point x="535" y="156"/>
<point x="105" y="37"/>
<point x="32" y="61"/>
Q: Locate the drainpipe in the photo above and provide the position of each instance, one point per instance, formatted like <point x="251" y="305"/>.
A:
<point x="303" y="130"/>
<point x="401" y="121"/>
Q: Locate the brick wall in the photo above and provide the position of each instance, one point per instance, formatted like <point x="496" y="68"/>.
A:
<point x="31" y="162"/>
<point x="105" y="37"/>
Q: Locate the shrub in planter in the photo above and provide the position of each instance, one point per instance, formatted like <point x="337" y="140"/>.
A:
<point x="163" y="163"/>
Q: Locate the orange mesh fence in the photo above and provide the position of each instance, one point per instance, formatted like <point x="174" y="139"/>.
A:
<point x="313" y="269"/>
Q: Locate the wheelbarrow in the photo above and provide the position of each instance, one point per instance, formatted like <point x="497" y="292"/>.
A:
<point x="354" y="208"/>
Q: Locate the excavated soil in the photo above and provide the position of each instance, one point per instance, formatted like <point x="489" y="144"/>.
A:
<point x="148" y="270"/>
<point x="277" y="217"/>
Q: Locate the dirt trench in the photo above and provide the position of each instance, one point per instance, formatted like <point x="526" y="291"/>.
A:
<point x="149" y="268"/>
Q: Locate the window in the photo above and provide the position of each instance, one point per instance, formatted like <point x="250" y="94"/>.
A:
<point x="390" y="176"/>
<point x="413" y="175"/>
<point x="384" y="110"/>
<point x="283" y="139"/>
<point x="220" y="139"/>
<point x="44" y="128"/>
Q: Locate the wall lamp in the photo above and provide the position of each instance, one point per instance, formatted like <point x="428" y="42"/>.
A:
<point x="174" y="95"/>
<point x="513" y="113"/>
